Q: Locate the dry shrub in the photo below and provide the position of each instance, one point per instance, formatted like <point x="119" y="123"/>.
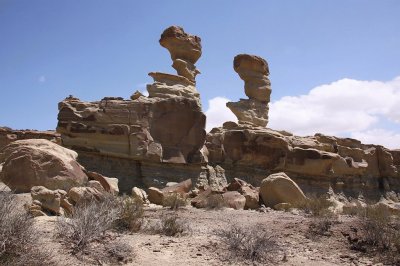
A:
<point x="250" y="244"/>
<point x="118" y="252"/>
<point x="130" y="216"/>
<point x="18" y="238"/>
<point x="88" y="222"/>
<point x="175" y="201"/>
<point x="316" y="206"/>
<point x="171" y="225"/>
<point x="356" y="210"/>
<point x="321" y="225"/>
<point x="378" y="233"/>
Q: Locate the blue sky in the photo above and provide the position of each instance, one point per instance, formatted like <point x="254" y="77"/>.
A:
<point x="91" y="49"/>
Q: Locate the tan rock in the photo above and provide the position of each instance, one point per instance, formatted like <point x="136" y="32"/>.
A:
<point x="39" y="162"/>
<point x="250" y="112"/>
<point x="234" y="199"/>
<point x="181" y="187"/>
<point x="181" y="45"/>
<point x="136" y="95"/>
<point x="248" y="191"/>
<point x="109" y="184"/>
<point x="80" y="195"/>
<point x="155" y="195"/>
<point x="49" y="199"/>
<point x="279" y="188"/>
<point x="140" y="194"/>
<point x="254" y="71"/>
<point x="208" y="199"/>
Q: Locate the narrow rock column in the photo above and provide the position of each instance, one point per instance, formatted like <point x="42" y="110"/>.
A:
<point x="254" y="71"/>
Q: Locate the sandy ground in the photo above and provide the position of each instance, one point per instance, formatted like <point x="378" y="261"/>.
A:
<point x="203" y="247"/>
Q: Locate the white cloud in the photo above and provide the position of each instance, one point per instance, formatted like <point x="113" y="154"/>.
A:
<point x="387" y="138"/>
<point x="217" y="113"/>
<point x="348" y="107"/>
<point x="42" y="79"/>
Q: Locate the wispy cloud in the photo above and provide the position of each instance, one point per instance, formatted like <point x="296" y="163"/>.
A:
<point x="366" y="110"/>
<point x="42" y="79"/>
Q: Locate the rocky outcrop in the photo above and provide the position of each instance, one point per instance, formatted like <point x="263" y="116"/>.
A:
<point x="151" y="135"/>
<point x="279" y="188"/>
<point x="39" y="162"/>
<point x="315" y="163"/>
<point x="254" y="71"/>
<point x="8" y="135"/>
<point x="185" y="50"/>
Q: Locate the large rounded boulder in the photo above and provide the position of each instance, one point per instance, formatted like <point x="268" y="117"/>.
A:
<point x="279" y="188"/>
<point x="39" y="162"/>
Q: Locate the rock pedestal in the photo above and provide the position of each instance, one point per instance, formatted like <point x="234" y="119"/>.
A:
<point x="253" y="70"/>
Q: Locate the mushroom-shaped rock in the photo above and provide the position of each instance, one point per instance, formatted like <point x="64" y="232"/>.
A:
<point x="40" y="162"/>
<point x="254" y="71"/>
<point x="181" y="45"/>
<point x="185" y="50"/>
<point x="279" y="188"/>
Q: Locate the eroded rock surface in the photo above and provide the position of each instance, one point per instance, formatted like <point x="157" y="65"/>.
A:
<point x="185" y="50"/>
<point x="40" y="162"/>
<point x="254" y="71"/>
<point x="315" y="163"/>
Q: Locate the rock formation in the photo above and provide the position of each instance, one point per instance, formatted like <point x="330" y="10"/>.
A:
<point x="39" y="162"/>
<point x="254" y="71"/>
<point x="315" y="163"/>
<point x="8" y="135"/>
<point x="185" y="50"/>
<point x="146" y="140"/>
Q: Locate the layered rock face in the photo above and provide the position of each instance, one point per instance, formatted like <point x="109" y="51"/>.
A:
<point x="316" y="163"/>
<point x="254" y="71"/>
<point x="185" y="50"/>
<point x="8" y="135"/>
<point x="144" y="135"/>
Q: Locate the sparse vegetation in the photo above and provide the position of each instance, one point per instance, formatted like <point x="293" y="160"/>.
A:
<point x="17" y="235"/>
<point x="175" y="201"/>
<point x="378" y="233"/>
<point x="321" y="225"/>
<point x="130" y="216"/>
<point x="171" y="225"/>
<point x="88" y="222"/>
<point x="250" y="244"/>
<point x="118" y="252"/>
<point x="316" y="206"/>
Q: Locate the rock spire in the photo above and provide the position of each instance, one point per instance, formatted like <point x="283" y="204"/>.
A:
<point x="254" y="71"/>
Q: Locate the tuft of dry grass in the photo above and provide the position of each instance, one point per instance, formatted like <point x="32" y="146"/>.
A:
<point x="378" y="233"/>
<point x="88" y="222"/>
<point x="118" y="252"/>
<point x="316" y="206"/>
<point x="171" y="225"/>
<point x="18" y="238"/>
<point x="215" y="201"/>
<point x="175" y="201"/>
<point x="130" y="215"/>
<point x="250" y="244"/>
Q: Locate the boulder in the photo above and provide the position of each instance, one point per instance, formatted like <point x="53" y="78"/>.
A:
<point x="79" y="195"/>
<point x="155" y="195"/>
<point x="181" y="187"/>
<point x="234" y="199"/>
<point x="208" y="199"/>
<point x="279" y="188"/>
<point x="247" y="190"/>
<point x="49" y="200"/>
<point x="140" y="194"/>
<point x="40" y="162"/>
<point x="109" y="184"/>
